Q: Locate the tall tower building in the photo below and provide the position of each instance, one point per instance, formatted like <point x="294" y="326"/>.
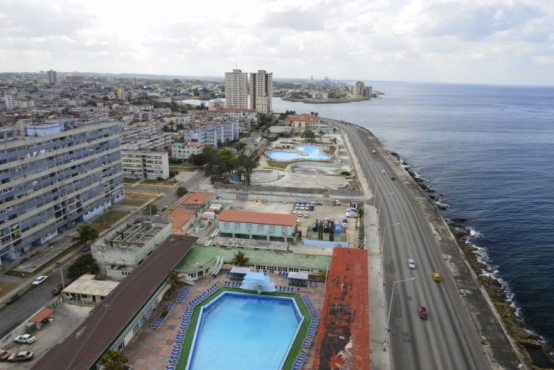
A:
<point x="52" y="77"/>
<point x="8" y="99"/>
<point x="261" y="91"/>
<point x="236" y="89"/>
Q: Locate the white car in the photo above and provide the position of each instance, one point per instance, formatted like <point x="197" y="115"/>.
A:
<point x="411" y="263"/>
<point x="384" y="171"/>
<point x="297" y="206"/>
<point x="293" y="212"/>
<point x="39" y="280"/>
<point x="25" y="338"/>
<point x="306" y="214"/>
<point x="344" y="225"/>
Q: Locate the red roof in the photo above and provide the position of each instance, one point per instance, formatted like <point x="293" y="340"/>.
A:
<point x="343" y="335"/>
<point x="258" y="218"/>
<point x="41" y="315"/>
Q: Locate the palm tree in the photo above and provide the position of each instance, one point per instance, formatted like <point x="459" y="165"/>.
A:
<point x="321" y="133"/>
<point x="114" y="360"/>
<point x="240" y="259"/>
<point x="174" y="279"/>
<point x="86" y="233"/>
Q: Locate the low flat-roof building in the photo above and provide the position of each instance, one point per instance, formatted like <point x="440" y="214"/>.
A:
<point x="185" y="210"/>
<point x="257" y="225"/>
<point x="145" y="164"/>
<point x="123" y="249"/>
<point x="87" y="291"/>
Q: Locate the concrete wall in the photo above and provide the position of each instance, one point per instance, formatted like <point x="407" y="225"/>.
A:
<point x="324" y="244"/>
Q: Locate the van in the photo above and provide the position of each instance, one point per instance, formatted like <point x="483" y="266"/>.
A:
<point x="12" y="299"/>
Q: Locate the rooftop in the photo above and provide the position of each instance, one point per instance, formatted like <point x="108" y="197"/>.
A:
<point x="258" y="218"/>
<point x="84" y="346"/>
<point x="182" y="212"/>
<point x="87" y="285"/>
<point x="343" y="335"/>
<point x="134" y="233"/>
<point x="202" y="255"/>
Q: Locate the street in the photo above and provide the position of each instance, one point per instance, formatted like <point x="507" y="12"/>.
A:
<point x="448" y="339"/>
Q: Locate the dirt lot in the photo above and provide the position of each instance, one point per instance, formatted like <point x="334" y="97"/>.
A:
<point x="6" y="287"/>
<point x="107" y="220"/>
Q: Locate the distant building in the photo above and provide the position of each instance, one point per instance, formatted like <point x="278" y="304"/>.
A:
<point x="303" y="122"/>
<point x="236" y="89"/>
<point x="361" y="90"/>
<point x="73" y="79"/>
<point x="214" y="134"/>
<point x="145" y="164"/>
<point x="255" y="225"/>
<point x="52" y="77"/>
<point x="261" y="92"/>
<point x="8" y="99"/>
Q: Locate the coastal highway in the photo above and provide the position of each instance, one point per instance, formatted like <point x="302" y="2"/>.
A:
<point x="448" y="339"/>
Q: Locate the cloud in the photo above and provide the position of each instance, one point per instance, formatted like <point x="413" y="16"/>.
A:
<point x="296" y="19"/>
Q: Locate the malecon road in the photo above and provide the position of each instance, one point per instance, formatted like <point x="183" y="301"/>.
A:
<point x="448" y="339"/>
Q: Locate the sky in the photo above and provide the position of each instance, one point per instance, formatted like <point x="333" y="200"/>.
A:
<point x="461" y="41"/>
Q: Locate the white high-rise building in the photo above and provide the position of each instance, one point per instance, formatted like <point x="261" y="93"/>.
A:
<point x="236" y="89"/>
<point x="261" y="91"/>
<point x="52" y="77"/>
<point x="9" y="102"/>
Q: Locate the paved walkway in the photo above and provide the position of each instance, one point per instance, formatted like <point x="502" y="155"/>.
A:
<point x="150" y="349"/>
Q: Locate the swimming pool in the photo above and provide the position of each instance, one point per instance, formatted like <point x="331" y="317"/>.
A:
<point x="244" y="332"/>
<point x="311" y="153"/>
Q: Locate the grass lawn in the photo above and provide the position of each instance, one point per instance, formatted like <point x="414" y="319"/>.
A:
<point x="130" y="180"/>
<point x="294" y="349"/>
<point x="5" y="288"/>
<point x="107" y="220"/>
<point x="136" y="199"/>
<point x="183" y="168"/>
<point x="277" y="164"/>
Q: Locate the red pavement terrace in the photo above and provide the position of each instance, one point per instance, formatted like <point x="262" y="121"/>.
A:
<point x="343" y="335"/>
<point x="82" y="348"/>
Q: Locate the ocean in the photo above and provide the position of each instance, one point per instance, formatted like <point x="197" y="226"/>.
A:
<point x="488" y="150"/>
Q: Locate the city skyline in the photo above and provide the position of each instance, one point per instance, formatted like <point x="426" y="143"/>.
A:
<point x="461" y="42"/>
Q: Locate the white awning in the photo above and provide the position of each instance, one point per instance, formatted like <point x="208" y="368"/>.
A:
<point x="298" y="275"/>
<point x="240" y="270"/>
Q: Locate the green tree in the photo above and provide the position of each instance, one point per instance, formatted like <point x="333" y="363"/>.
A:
<point x="150" y="209"/>
<point x="246" y="164"/>
<point x="240" y="145"/>
<point x="114" y="360"/>
<point x="105" y="98"/>
<point x="174" y="279"/>
<point x="181" y="191"/>
<point x="240" y="259"/>
<point x="86" y="233"/>
<point x="321" y="134"/>
<point x="309" y="135"/>
<point x="85" y="264"/>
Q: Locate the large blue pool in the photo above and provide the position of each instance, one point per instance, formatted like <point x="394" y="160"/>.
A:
<point x="244" y="332"/>
<point x="311" y="153"/>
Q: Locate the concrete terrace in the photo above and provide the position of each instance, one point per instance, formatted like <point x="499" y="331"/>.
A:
<point x="150" y="349"/>
<point x="202" y="255"/>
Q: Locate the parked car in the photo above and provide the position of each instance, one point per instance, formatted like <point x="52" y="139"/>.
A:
<point x="344" y="225"/>
<point x="297" y="206"/>
<point x="39" y="280"/>
<point x="306" y="214"/>
<point x="58" y="289"/>
<point x="422" y="313"/>
<point x="21" y="356"/>
<point x="436" y="277"/>
<point x="4" y="355"/>
<point x="411" y="263"/>
<point x="12" y="299"/>
<point x="57" y="264"/>
<point x="25" y="339"/>
<point x="86" y="248"/>
<point x="392" y="178"/>
<point x="384" y="171"/>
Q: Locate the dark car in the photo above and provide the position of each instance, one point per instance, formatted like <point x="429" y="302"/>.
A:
<point x="86" y="248"/>
<point x="422" y="312"/>
<point x="12" y="299"/>
<point x="392" y="178"/>
<point x="58" y="289"/>
<point x="4" y="355"/>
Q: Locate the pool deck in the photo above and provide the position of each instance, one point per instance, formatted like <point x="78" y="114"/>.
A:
<point x="150" y="349"/>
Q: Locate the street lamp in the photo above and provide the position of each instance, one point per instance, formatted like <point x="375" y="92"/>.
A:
<point x="390" y="308"/>
<point x="379" y="211"/>
<point x="383" y="244"/>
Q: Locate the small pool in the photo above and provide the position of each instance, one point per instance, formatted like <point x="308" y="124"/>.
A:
<point x="310" y="153"/>
<point x="245" y="332"/>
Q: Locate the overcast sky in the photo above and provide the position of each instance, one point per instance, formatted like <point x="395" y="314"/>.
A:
<point x="468" y="41"/>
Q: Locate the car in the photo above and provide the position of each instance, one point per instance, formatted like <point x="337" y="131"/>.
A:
<point x="384" y="171"/>
<point x="39" y="280"/>
<point x="302" y="208"/>
<point x="25" y="339"/>
<point x="344" y="225"/>
<point x="12" y="298"/>
<point x="4" y="355"/>
<point x="293" y="212"/>
<point x="58" y="289"/>
<point x="436" y="277"/>
<point x="298" y="221"/>
<point x="57" y="264"/>
<point x="86" y="248"/>
<point x="392" y="178"/>
<point x="21" y="356"/>
<point x="373" y="151"/>
<point x="297" y="206"/>
<point x="422" y="313"/>
<point x="411" y="263"/>
<point x="306" y="214"/>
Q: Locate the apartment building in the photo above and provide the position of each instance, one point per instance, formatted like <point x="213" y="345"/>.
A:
<point x="52" y="176"/>
<point x="52" y="77"/>
<point x="213" y="134"/>
<point x="236" y="89"/>
<point x="184" y="151"/>
<point x="159" y="141"/>
<point x="136" y="133"/>
<point x="261" y="91"/>
<point x="145" y="164"/>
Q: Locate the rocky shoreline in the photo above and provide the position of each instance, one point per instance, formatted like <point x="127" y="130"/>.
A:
<point x="331" y="101"/>
<point x="536" y="352"/>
